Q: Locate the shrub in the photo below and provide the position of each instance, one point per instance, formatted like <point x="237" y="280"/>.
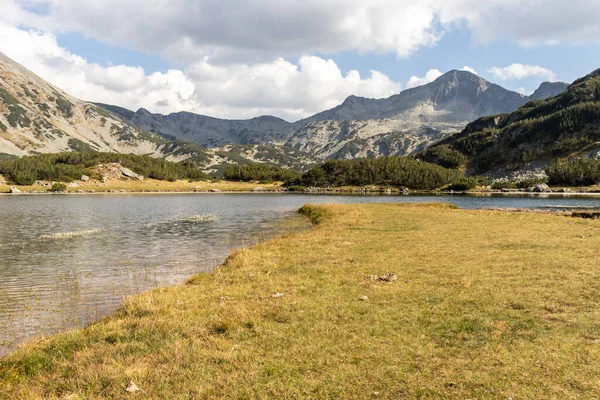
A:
<point x="391" y="171"/>
<point x="259" y="172"/>
<point x="58" y="187"/>
<point x="445" y="156"/>
<point x="463" y="184"/>
<point x="574" y="171"/>
<point x="66" y="167"/>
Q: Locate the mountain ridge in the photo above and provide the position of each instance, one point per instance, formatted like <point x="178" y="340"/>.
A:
<point x="531" y="137"/>
<point x="416" y="117"/>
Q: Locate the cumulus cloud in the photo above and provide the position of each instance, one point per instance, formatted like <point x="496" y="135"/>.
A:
<point x="521" y="71"/>
<point x="469" y="69"/>
<point x="430" y="76"/>
<point x="261" y="30"/>
<point x="279" y="87"/>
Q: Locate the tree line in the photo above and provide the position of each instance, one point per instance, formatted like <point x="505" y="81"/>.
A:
<point x="67" y="167"/>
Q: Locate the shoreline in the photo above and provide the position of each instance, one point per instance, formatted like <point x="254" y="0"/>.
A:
<point x="231" y="328"/>
<point x="321" y="192"/>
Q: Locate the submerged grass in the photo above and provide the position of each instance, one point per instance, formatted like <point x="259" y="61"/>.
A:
<point x="487" y="304"/>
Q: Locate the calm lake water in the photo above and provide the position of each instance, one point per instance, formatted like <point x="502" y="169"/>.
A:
<point x="67" y="260"/>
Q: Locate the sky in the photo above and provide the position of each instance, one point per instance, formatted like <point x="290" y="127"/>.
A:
<point x="291" y="58"/>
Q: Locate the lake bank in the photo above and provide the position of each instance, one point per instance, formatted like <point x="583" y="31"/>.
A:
<point x="486" y="304"/>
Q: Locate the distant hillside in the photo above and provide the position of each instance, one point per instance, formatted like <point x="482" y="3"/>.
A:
<point x="402" y="124"/>
<point x="538" y="132"/>
<point x="408" y="122"/>
<point x="36" y="117"/>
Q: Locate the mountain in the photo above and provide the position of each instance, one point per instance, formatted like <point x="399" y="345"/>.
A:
<point x="538" y="132"/>
<point x="402" y="124"/>
<point x="208" y="131"/>
<point x="36" y="117"/>
<point x="549" y="89"/>
<point x="408" y="122"/>
<point x="456" y="96"/>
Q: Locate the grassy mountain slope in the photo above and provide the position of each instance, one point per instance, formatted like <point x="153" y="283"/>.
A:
<point x="541" y="130"/>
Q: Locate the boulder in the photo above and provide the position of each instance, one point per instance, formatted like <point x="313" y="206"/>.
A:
<point x="259" y="189"/>
<point x="14" y="190"/>
<point x="129" y="173"/>
<point x="85" y="178"/>
<point x="215" y="190"/>
<point x="73" y="185"/>
<point x="540" y="188"/>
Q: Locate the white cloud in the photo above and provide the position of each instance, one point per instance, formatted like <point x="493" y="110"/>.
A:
<point x="184" y="31"/>
<point x="521" y="71"/>
<point x="278" y="87"/>
<point x="430" y="76"/>
<point x="469" y="69"/>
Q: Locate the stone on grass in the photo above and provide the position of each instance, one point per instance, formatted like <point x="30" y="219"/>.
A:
<point x="132" y="387"/>
<point x="14" y="190"/>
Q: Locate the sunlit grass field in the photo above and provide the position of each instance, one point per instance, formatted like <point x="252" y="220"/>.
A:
<point x="487" y="305"/>
<point x="152" y="185"/>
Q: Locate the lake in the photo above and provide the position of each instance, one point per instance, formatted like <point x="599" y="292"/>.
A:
<point x="66" y="260"/>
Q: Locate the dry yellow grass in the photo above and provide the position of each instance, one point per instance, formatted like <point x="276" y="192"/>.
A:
<point x="487" y="305"/>
<point x="151" y="185"/>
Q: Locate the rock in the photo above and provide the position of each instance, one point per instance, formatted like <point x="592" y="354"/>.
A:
<point x="80" y="191"/>
<point x="382" y="278"/>
<point x="85" y="178"/>
<point x="404" y="191"/>
<point x="140" y="177"/>
<point x="277" y="295"/>
<point x="388" y="278"/>
<point x="73" y="185"/>
<point x="129" y="173"/>
<point x="104" y="178"/>
<point x="363" y="298"/>
<point x="215" y="190"/>
<point x="14" y="190"/>
<point x="259" y="189"/>
<point x="540" y="188"/>
<point x="132" y="387"/>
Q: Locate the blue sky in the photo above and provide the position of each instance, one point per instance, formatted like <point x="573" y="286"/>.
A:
<point x="290" y="59"/>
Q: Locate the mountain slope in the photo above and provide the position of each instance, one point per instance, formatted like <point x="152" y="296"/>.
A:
<point x="456" y="96"/>
<point x="408" y="122"/>
<point x="209" y="131"/>
<point x="36" y="117"/>
<point x="549" y="89"/>
<point x="399" y="125"/>
<point x="539" y="131"/>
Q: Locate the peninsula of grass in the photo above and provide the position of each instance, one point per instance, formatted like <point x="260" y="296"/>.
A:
<point x="486" y="305"/>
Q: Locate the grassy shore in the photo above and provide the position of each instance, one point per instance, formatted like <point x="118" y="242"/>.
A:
<point x="152" y="185"/>
<point x="487" y="305"/>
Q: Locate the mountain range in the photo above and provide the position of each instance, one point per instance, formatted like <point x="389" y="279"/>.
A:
<point x="359" y="127"/>
<point x="36" y="117"/>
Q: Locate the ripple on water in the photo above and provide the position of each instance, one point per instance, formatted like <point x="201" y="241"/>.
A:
<point x="70" y="235"/>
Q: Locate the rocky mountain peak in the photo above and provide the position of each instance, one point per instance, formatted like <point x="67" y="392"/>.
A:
<point x="549" y="89"/>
